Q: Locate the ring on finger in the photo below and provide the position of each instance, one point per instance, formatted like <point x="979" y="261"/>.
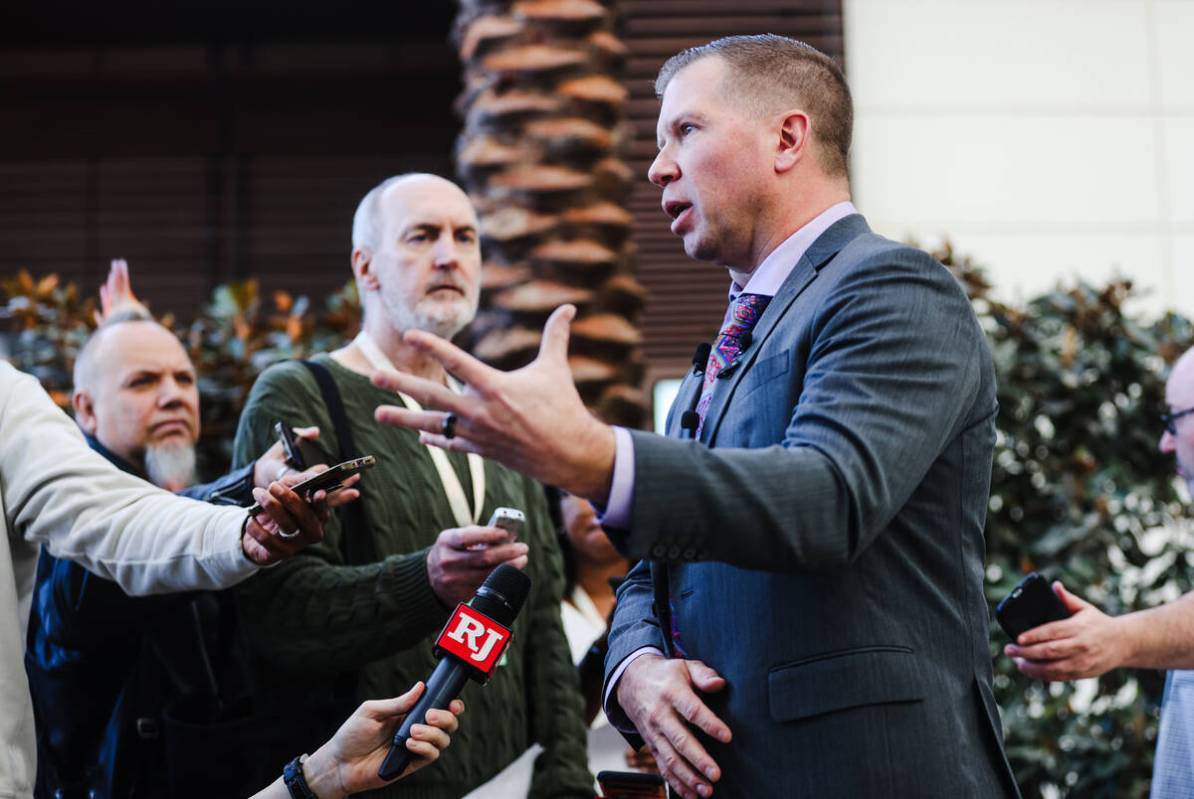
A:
<point x="285" y="534"/>
<point x="448" y="426"/>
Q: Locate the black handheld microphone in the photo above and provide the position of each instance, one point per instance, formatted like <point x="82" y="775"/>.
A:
<point x="469" y="646"/>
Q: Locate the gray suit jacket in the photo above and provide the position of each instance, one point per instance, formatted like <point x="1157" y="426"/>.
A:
<point x="825" y="536"/>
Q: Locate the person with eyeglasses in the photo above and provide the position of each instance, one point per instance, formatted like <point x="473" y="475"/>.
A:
<point x="1091" y="643"/>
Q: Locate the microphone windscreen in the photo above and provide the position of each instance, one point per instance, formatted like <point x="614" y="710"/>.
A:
<point x="503" y="594"/>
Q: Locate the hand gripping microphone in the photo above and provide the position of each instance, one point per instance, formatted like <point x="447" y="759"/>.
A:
<point x="469" y="646"/>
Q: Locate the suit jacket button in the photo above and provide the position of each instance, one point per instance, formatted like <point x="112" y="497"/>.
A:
<point x="673" y="552"/>
<point x="658" y="550"/>
<point x="689" y="553"/>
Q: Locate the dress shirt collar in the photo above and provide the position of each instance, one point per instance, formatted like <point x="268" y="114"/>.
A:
<point x="776" y="267"/>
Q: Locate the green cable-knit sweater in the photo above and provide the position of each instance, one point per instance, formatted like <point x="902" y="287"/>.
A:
<point x="314" y="615"/>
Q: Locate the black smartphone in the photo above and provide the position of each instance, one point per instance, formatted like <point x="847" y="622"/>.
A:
<point x="631" y="785"/>
<point x="1030" y="604"/>
<point x="290" y="446"/>
<point x="331" y="481"/>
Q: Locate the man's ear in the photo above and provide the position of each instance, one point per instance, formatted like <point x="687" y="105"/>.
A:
<point x="794" y="138"/>
<point x="84" y="411"/>
<point x="362" y="268"/>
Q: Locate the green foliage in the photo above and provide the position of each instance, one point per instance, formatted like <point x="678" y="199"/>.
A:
<point x="1081" y="493"/>
<point x="1079" y="490"/>
<point x="231" y="341"/>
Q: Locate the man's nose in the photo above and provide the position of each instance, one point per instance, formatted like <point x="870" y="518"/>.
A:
<point x="1168" y="444"/>
<point x="171" y="393"/>
<point x="447" y="251"/>
<point x="663" y="170"/>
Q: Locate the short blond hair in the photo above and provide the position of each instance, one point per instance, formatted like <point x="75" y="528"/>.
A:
<point x="773" y="73"/>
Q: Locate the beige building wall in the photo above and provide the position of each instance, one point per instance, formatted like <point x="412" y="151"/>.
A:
<point x="1047" y="138"/>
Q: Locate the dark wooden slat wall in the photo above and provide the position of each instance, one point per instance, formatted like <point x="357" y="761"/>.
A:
<point x="202" y="163"/>
<point x="205" y="161"/>
<point x="687" y="298"/>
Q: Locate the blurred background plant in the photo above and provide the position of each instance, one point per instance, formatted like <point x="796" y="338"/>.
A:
<point x="231" y="340"/>
<point x="1080" y="491"/>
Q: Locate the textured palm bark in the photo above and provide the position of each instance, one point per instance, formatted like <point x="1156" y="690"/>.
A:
<point x="540" y="154"/>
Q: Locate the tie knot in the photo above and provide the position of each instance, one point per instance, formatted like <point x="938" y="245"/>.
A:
<point x="744" y="314"/>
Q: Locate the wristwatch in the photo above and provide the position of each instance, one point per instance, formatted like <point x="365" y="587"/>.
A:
<point x="296" y="783"/>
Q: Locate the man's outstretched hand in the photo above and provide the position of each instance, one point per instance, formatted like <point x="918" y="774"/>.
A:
<point x="531" y="419"/>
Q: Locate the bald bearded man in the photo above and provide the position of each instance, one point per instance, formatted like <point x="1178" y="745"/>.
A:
<point x="103" y="665"/>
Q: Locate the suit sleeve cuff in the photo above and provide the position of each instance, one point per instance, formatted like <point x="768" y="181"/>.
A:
<point x="613" y="711"/>
<point x="616" y="512"/>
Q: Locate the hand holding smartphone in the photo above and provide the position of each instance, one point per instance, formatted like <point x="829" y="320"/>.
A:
<point x="330" y="481"/>
<point x="512" y="520"/>
<point x="1030" y="604"/>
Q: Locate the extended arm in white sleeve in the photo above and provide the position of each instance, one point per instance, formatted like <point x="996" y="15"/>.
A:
<point x="57" y="492"/>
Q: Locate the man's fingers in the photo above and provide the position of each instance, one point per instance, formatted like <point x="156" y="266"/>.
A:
<point x="554" y="345"/>
<point x="262" y="546"/>
<point x="699" y="714"/>
<point x="300" y="512"/>
<point x="455" y="360"/>
<point x="1036" y="670"/>
<point x="1072" y="602"/>
<point x="686" y="744"/>
<point x="1052" y="631"/>
<point x="309" y="433"/>
<point x="457" y="443"/>
<point x="425" y="392"/>
<point x="342" y="497"/>
<point x="703" y="677"/>
<point x="465" y="537"/>
<point x="490" y="557"/>
<point x="677" y="771"/>
<point x="443" y="719"/>
<point x="1056" y="649"/>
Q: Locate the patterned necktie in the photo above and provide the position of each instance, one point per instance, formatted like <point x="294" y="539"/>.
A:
<point x="743" y="316"/>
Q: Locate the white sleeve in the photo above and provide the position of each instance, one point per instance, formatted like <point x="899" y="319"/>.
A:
<point x="57" y="492"/>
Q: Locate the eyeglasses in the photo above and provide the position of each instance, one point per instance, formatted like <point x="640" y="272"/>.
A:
<point x="1170" y="419"/>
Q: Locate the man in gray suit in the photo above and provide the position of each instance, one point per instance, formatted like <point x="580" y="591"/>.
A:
<point x="813" y="622"/>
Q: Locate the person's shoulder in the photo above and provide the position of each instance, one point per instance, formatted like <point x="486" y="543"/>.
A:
<point x="285" y="376"/>
<point x="874" y="258"/>
<point x="22" y="390"/>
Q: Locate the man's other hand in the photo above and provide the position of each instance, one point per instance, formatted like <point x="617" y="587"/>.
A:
<point x="116" y="294"/>
<point x="1087" y="644"/>
<point x="661" y="699"/>
<point x="462" y="557"/>
<point x="531" y="419"/>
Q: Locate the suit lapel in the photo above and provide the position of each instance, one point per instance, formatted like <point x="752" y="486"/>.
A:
<point x="686" y="397"/>
<point x="820" y="253"/>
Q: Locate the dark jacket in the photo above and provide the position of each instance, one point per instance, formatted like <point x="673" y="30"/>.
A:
<point x="103" y="666"/>
<point x="824" y="536"/>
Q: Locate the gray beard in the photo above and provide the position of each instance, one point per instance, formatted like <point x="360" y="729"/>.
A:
<point x="437" y="321"/>
<point x="170" y="466"/>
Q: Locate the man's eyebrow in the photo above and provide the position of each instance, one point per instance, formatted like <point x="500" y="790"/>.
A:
<point x="425" y="226"/>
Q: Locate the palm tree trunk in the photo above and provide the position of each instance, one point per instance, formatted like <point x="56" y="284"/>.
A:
<point x="544" y="127"/>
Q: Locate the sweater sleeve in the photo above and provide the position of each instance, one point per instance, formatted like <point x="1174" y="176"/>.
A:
<point x="315" y="609"/>
<point x="60" y="494"/>
<point x="554" y="703"/>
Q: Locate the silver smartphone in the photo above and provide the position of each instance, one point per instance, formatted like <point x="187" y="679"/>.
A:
<point x="511" y="520"/>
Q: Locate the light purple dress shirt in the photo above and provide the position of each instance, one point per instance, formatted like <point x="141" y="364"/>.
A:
<point x="765" y="280"/>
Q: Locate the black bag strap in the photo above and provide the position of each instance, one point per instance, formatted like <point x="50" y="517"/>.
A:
<point x="356" y="537"/>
